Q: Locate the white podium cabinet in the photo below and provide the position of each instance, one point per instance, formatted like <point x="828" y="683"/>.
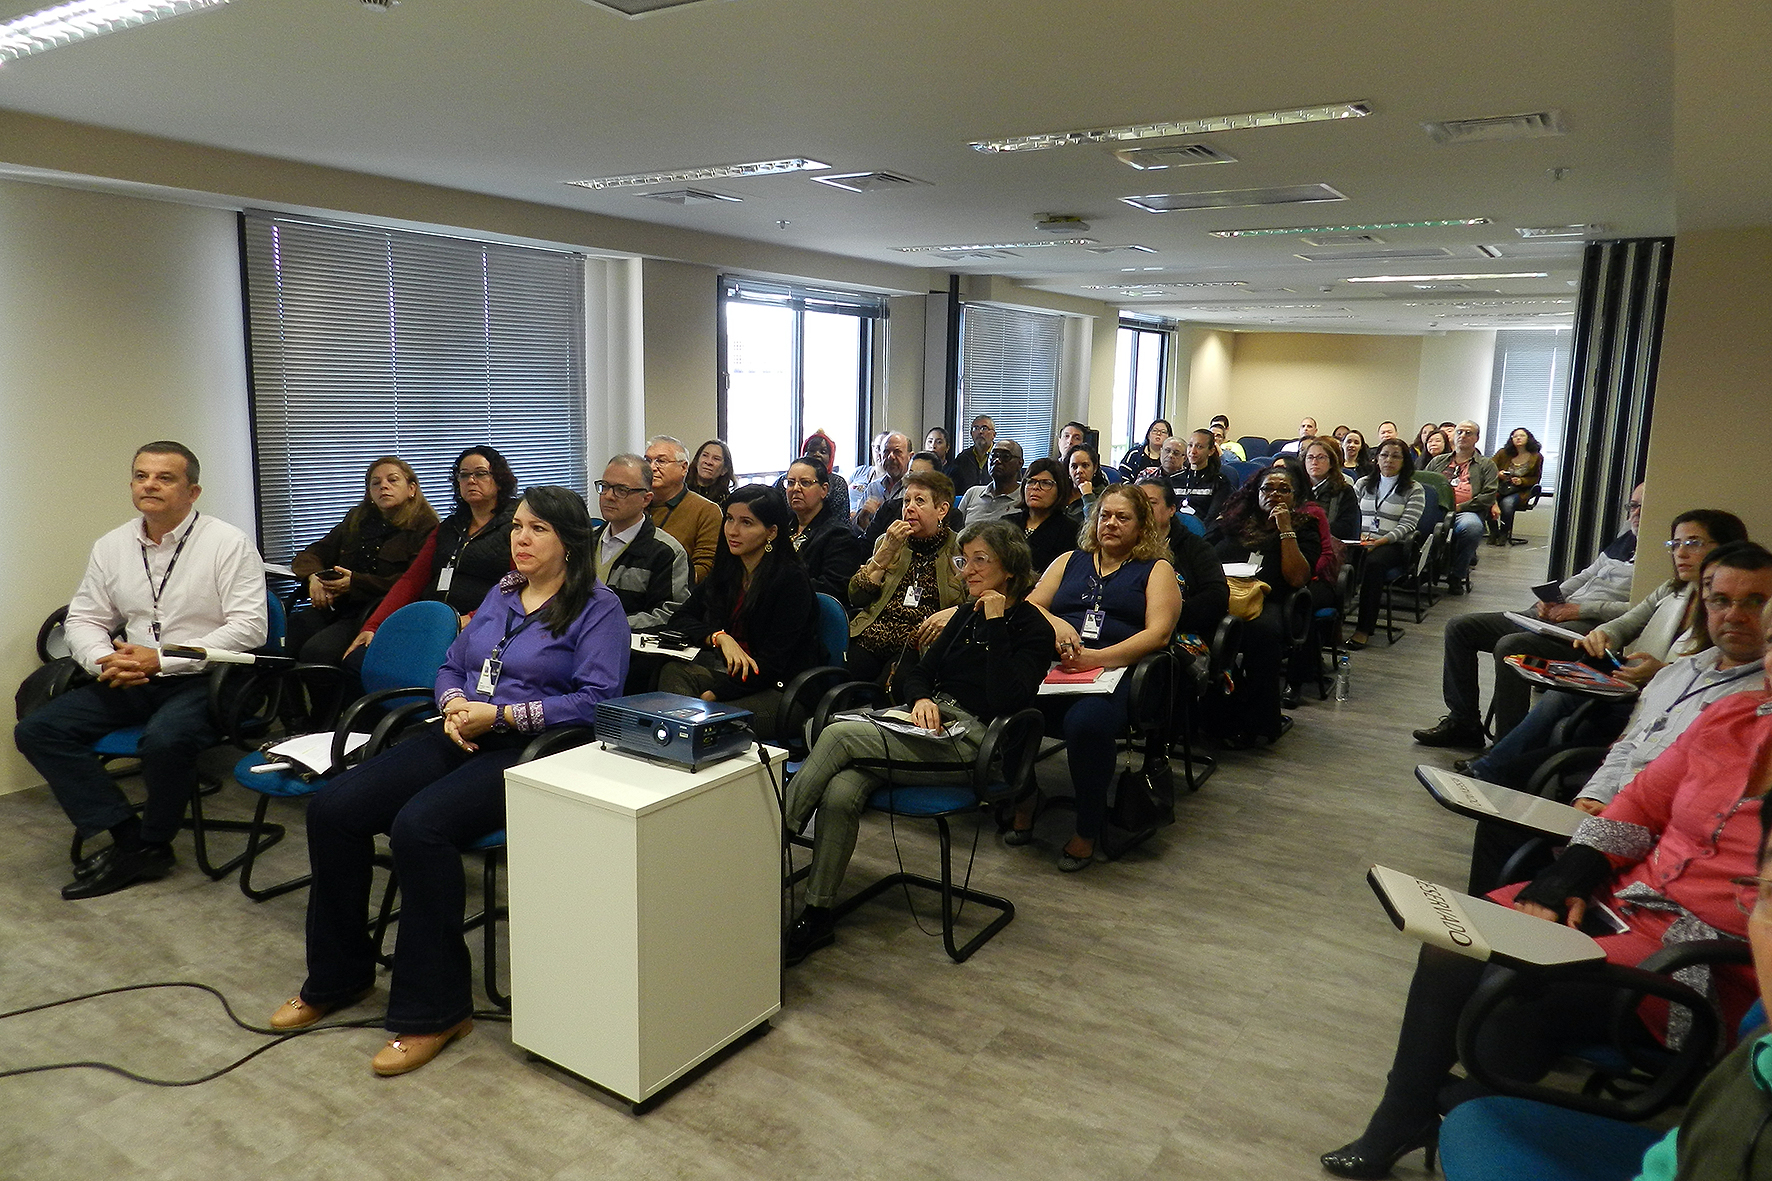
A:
<point x="645" y="912"/>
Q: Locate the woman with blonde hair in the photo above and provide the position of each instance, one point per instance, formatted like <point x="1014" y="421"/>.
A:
<point x="349" y="570"/>
<point x="1111" y="603"/>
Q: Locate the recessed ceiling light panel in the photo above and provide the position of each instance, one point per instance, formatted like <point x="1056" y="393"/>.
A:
<point x="869" y="182"/>
<point x="1277" y="231"/>
<point x="1445" y="278"/>
<point x="634" y="180"/>
<point x="1136" y="131"/>
<point x="1536" y="125"/>
<point x="1172" y="156"/>
<point x="971" y="246"/>
<point x="1234" y="198"/>
<point x="1580" y="231"/>
<point x="64" y="24"/>
<point x="691" y="197"/>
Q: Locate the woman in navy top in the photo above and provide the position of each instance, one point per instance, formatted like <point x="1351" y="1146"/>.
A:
<point x="1110" y="604"/>
<point x="546" y="645"/>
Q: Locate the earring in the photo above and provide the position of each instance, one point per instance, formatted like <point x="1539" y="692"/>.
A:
<point x="768" y="547"/>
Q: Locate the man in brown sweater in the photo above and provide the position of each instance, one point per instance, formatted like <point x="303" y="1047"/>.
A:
<point x="692" y="519"/>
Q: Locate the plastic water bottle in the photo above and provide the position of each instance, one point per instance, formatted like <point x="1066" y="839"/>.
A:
<point x="1343" y="669"/>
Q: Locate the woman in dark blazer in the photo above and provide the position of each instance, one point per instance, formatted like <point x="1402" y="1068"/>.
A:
<point x="753" y="616"/>
<point x="828" y="549"/>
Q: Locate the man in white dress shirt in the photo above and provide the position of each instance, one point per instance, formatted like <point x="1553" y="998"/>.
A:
<point x="173" y="576"/>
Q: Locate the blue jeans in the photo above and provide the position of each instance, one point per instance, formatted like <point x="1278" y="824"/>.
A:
<point x="174" y="714"/>
<point x="433" y="799"/>
<point x="1091" y="724"/>
<point x="1467" y="534"/>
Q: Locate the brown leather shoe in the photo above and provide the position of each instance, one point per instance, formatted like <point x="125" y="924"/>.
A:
<point x="296" y="1013"/>
<point x="409" y="1051"/>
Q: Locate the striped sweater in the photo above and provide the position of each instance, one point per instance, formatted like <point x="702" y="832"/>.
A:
<point x="1397" y="515"/>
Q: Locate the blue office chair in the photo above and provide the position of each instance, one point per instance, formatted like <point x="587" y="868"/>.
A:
<point x="1255" y="447"/>
<point x="801" y="696"/>
<point x="240" y="708"/>
<point x="1415" y="578"/>
<point x="1508" y="1138"/>
<point x="399" y="675"/>
<point x="1193" y="524"/>
<point x="1002" y="771"/>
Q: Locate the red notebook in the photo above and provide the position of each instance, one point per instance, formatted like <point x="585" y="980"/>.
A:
<point x="1087" y="677"/>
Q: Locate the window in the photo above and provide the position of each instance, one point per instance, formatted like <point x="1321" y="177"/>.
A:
<point x="1531" y="389"/>
<point x="366" y="342"/>
<point x="1141" y="352"/>
<point x="793" y="361"/>
<point x="1009" y="370"/>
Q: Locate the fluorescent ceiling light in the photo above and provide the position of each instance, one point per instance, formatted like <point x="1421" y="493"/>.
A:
<point x="1142" y="286"/>
<point x="1377" y="225"/>
<point x="1445" y="278"/>
<point x="1580" y="231"/>
<point x="1137" y="131"/>
<point x="971" y="246"/>
<point x="1234" y="198"/>
<point x="715" y="172"/>
<point x="64" y="24"/>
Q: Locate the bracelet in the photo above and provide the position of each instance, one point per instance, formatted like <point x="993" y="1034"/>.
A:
<point x="714" y="640"/>
<point x="1292" y="536"/>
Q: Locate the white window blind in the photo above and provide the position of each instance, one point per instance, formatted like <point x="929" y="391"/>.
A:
<point x="1009" y="370"/>
<point x="1530" y="389"/>
<point x="367" y="341"/>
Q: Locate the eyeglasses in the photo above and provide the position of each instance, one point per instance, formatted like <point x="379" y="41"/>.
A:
<point x="1690" y="544"/>
<point x="664" y="460"/>
<point x="1634" y="506"/>
<point x="1041" y="484"/>
<point x="1750" y="603"/>
<point x="477" y="474"/>
<point x="976" y="562"/>
<point x="618" y="489"/>
<point x="1750" y="892"/>
<point x="799" y="484"/>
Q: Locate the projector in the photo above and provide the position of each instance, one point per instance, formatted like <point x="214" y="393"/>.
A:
<point x="670" y="728"/>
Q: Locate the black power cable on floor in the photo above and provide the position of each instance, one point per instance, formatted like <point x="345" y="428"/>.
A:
<point x="278" y="1037"/>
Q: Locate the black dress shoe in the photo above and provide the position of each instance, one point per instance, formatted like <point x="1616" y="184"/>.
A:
<point x="816" y="928"/>
<point x="92" y="863"/>
<point x="121" y="869"/>
<point x="1450" y="732"/>
<point x="1372" y="1163"/>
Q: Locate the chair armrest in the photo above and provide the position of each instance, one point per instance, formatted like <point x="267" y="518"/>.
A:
<point x="388" y="725"/>
<point x="554" y="740"/>
<point x="845" y="696"/>
<point x="1672" y="1078"/>
<point x="799" y="699"/>
<point x="1226" y="642"/>
<point x="1015" y="739"/>
<point x="1547" y="778"/>
<point x="1675" y="957"/>
<point x="1152" y="678"/>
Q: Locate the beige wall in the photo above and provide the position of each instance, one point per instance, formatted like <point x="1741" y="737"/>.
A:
<point x="1204" y="373"/>
<point x="120" y="322"/>
<point x="1278" y="377"/>
<point x="1715" y="375"/>
<point x="681" y="315"/>
<point x="1457" y="371"/>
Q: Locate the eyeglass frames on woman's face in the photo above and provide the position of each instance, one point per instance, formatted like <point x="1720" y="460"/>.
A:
<point x="1042" y="484"/>
<point x="1690" y="544"/>
<point x="618" y="489"/>
<point x="976" y="562"/>
<point x="1751" y="892"/>
<point x="798" y="484"/>
<point x="479" y="473"/>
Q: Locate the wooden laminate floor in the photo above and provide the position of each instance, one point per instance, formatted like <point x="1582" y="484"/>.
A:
<point x="1220" y="1004"/>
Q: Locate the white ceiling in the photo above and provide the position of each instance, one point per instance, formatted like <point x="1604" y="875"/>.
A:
<point x="515" y="98"/>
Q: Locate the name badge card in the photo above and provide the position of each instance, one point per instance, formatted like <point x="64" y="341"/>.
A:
<point x="1092" y="624"/>
<point x="912" y="596"/>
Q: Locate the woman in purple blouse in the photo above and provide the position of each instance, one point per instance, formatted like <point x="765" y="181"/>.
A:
<point x="546" y="645"/>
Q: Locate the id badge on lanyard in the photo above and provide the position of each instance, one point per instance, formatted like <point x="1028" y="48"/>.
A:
<point x="490" y="668"/>
<point x="445" y="578"/>
<point x="912" y="596"/>
<point x="1093" y="621"/>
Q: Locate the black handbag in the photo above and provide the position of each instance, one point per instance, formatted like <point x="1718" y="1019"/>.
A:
<point x="1144" y="801"/>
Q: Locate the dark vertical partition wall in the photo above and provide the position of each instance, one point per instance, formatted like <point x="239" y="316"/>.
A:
<point x="1611" y="393"/>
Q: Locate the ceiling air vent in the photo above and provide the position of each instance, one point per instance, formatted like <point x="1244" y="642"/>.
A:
<point x="637" y="8"/>
<point x="691" y="197"/>
<point x="1536" y="125"/>
<point x="1382" y="253"/>
<point x="1342" y="240"/>
<point x="869" y="182"/>
<point x="1130" y="248"/>
<point x="1234" y="198"/>
<point x="1174" y="156"/>
<point x="963" y="255"/>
